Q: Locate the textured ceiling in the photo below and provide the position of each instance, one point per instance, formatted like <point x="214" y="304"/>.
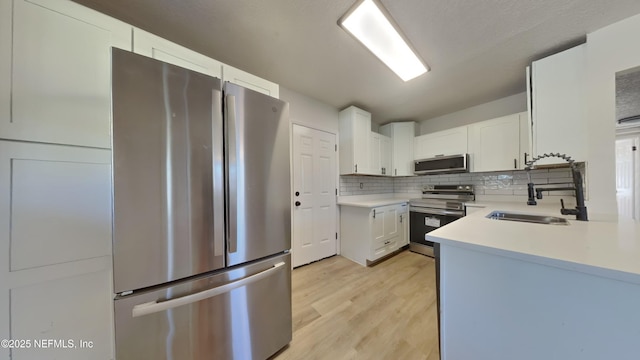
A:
<point x="477" y="50"/>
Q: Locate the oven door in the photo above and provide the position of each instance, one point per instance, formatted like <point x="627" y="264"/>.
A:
<point x="424" y="220"/>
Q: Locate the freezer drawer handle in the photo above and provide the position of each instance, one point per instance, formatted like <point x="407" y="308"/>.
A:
<point x="154" y="306"/>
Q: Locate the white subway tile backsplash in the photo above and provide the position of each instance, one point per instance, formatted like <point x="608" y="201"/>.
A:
<point x="505" y="183"/>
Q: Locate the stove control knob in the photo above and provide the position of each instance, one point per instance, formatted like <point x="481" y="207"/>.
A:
<point x="467" y="187"/>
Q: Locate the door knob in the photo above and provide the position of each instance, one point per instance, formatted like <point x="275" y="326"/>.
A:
<point x="297" y="193"/>
<point x="298" y="203"/>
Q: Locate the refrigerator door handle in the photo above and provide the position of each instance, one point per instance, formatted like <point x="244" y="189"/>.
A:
<point x="232" y="170"/>
<point x="218" y="177"/>
<point x="154" y="306"/>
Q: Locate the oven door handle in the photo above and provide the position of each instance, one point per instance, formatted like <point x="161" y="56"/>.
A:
<point x="436" y="211"/>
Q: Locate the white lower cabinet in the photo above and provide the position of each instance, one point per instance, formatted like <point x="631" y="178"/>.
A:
<point x="55" y="249"/>
<point x="368" y="234"/>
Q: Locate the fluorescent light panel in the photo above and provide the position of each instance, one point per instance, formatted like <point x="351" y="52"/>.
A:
<point x="373" y="29"/>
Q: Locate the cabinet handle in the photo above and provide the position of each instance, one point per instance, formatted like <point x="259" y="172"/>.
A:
<point x="374" y="213"/>
<point x="356" y="167"/>
<point x="401" y="218"/>
<point x="396" y="172"/>
<point x="515" y="163"/>
<point x="525" y="159"/>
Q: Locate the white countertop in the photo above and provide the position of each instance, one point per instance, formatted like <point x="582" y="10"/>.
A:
<point x="371" y="201"/>
<point x="608" y="249"/>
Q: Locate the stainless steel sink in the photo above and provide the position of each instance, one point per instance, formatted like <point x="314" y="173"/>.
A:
<point x="538" y="219"/>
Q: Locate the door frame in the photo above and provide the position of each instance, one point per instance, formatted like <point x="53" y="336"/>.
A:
<point x="633" y="132"/>
<point x="336" y="179"/>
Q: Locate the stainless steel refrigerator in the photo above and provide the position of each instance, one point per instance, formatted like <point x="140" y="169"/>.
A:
<point x="202" y="206"/>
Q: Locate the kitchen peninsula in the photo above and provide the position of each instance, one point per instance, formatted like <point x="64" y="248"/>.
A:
<point x="516" y="290"/>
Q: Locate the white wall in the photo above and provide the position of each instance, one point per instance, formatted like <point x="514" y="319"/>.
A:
<point x="491" y="110"/>
<point x="609" y="50"/>
<point x="309" y="112"/>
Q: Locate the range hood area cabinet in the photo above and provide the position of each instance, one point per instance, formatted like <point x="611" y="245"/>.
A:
<point x="362" y="151"/>
<point x="441" y="143"/>
<point x="499" y="144"/>
<point x="557" y="104"/>
<point x="402" y="135"/>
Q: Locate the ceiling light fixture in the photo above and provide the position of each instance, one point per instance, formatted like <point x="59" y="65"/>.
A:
<point x="370" y="24"/>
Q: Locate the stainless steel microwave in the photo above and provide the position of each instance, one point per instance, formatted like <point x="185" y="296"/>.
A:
<point x="442" y="165"/>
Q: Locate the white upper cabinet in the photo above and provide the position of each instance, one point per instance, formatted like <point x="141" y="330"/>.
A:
<point x="558" y="106"/>
<point x="56" y="64"/>
<point x="496" y="144"/>
<point x="153" y="46"/>
<point x="386" y="155"/>
<point x="402" y="135"/>
<point x="446" y="142"/>
<point x="374" y="154"/>
<point x="379" y="154"/>
<point x="249" y="81"/>
<point x="355" y="134"/>
<point x="147" y="44"/>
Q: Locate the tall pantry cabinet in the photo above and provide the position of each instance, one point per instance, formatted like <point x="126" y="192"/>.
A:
<point x="55" y="176"/>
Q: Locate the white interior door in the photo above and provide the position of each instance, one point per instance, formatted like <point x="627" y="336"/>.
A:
<point x="314" y="187"/>
<point x="628" y="176"/>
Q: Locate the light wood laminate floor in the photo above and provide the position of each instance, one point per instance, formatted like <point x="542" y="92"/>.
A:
<point x="342" y="310"/>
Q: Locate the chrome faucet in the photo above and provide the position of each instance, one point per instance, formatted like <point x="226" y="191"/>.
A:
<point x="581" y="210"/>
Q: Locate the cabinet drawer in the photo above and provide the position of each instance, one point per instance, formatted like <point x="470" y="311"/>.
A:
<point x="383" y="247"/>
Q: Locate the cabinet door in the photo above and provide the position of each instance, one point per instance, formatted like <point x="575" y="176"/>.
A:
<point x="403" y="136"/>
<point x="60" y="84"/>
<point x="495" y="144"/>
<point x="420" y="147"/>
<point x="559" y="105"/>
<point x="386" y="154"/>
<point x="525" y="140"/>
<point x="374" y="154"/>
<point x="403" y="219"/>
<point x="249" y="81"/>
<point x="55" y="248"/>
<point x="391" y="221"/>
<point x="147" y="44"/>
<point x="355" y="131"/>
<point x="377" y="223"/>
<point x="447" y="142"/>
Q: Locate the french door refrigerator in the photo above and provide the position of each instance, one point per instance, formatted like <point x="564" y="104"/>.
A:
<point x="201" y="215"/>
